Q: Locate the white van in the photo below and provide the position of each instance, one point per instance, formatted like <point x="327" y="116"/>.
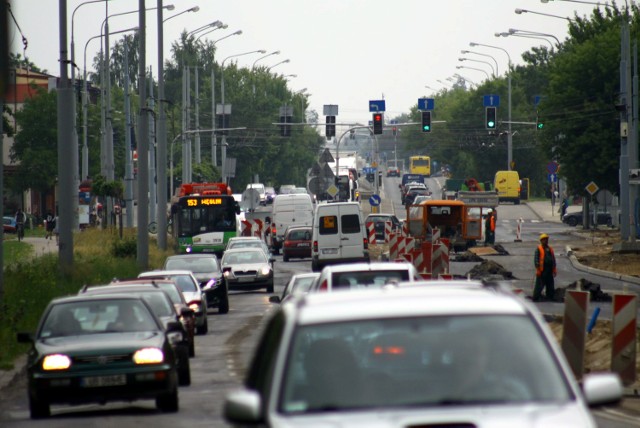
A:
<point x="339" y="235"/>
<point x="292" y="209"/>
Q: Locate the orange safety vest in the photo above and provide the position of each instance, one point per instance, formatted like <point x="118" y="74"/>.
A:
<point x="492" y="224"/>
<point x="540" y="266"/>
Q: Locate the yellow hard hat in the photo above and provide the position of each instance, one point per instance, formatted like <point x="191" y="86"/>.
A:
<point x="544" y="236"/>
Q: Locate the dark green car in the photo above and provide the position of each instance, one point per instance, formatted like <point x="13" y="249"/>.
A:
<point x="99" y="348"/>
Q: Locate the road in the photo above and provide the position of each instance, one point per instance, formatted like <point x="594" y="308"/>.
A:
<point x="223" y="354"/>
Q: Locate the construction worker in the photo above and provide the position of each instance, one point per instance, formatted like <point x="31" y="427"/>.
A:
<point x="545" y="263"/>
<point x="490" y="228"/>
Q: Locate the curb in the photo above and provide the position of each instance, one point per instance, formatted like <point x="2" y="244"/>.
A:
<point x="9" y="377"/>
<point x="599" y="272"/>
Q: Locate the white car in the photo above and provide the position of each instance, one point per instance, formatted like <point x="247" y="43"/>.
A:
<point x="443" y="354"/>
<point x="361" y="276"/>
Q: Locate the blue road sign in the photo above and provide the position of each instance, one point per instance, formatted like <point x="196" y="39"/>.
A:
<point x="369" y="170"/>
<point x="537" y="99"/>
<point x="377" y="106"/>
<point x="375" y="200"/>
<point x="425" y="104"/>
<point x="491" y="101"/>
<point x="553" y="178"/>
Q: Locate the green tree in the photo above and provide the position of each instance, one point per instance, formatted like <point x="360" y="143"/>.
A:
<point x="35" y="150"/>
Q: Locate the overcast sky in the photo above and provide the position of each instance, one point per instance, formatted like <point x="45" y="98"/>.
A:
<point x="344" y="52"/>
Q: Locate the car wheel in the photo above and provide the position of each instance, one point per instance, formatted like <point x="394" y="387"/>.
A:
<point x="314" y="266"/>
<point x="204" y="328"/>
<point x="270" y="288"/>
<point x="223" y="306"/>
<point x="285" y="258"/>
<point x="184" y="367"/>
<point x="38" y="409"/>
<point x="168" y="403"/>
<point x="572" y="221"/>
<point x="609" y="222"/>
<point x="192" y="348"/>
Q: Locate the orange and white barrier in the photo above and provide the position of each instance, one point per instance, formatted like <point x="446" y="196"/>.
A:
<point x="371" y="232"/>
<point x="252" y="228"/>
<point x="576" y="304"/>
<point x="387" y="230"/>
<point x="519" y="230"/>
<point x="393" y="246"/>
<point x="623" y="348"/>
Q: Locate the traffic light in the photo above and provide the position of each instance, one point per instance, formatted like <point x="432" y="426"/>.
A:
<point x="426" y="121"/>
<point x="330" y="128"/>
<point x="539" y="123"/>
<point x="395" y="131"/>
<point x="378" y="119"/>
<point x="491" y="118"/>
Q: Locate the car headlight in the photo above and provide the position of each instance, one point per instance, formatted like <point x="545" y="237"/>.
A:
<point x="195" y="307"/>
<point x="56" y="362"/>
<point x="265" y="270"/>
<point x="148" y="356"/>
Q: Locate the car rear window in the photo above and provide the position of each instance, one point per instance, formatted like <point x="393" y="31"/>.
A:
<point x="350" y="223"/>
<point x="368" y="279"/>
<point x="299" y="235"/>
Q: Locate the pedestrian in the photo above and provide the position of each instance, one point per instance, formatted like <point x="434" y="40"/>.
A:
<point x="490" y="228"/>
<point x="564" y="206"/>
<point x="49" y="225"/>
<point x="545" y="264"/>
<point x="56" y="230"/>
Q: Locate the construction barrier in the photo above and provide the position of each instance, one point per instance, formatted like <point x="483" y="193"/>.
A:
<point x="439" y="259"/>
<point x="623" y="349"/>
<point x="371" y="232"/>
<point x="574" y="328"/>
<point x="251" y="228"/>
<point x="519" y="230"/>
<point x="393" y="246"/>
<point x="387" y="230"/>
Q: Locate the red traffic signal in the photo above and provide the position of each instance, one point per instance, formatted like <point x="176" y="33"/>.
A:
<point x="377" y="123"/>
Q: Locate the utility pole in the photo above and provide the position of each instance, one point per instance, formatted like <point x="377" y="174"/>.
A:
<point x="162" y="139"/>
<point x="128" y="155"/>
<point x="142" y="255"/>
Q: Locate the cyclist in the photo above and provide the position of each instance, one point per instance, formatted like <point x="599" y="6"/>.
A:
<point x="20" y="218"/>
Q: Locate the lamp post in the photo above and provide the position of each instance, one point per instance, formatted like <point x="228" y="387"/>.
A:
<point x="222" y="26"/>
<point x="445" y="84"/>
<point x="214" y="137"/>
<point x="473" y="68"/>
<point x="224" y="109"/>
<point x="521" y="11"/>
<point x="493" y="71"/>
<point x="497" y="72"/>
<point x="277" y="64"/>
<point x="161" y="189"/>
<point x="253" y="66"/>
<point x="505" y="34"/>
<point x="534" y="33"/>
<point x="509" y="134"/>
<point x="466" y="79"/>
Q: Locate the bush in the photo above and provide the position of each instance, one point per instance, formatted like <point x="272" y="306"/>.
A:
<point x="126" y="247"/>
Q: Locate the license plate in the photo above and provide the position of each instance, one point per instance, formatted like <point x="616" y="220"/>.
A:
<point x="99" y="381"/>
<point x="245" y="279"/>
<point x="330" y="251"/>
<point x="304" y="244"/>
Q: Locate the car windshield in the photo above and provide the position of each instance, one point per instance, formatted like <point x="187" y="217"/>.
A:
<point x="368" y="279"/>
<point x="193" y="263"/>
<point x="96" y="317"/>
<point x="245" y="257"/>
<point x="429" y="361"/>
<point x="301" y="285"/>
<point x="299" y="235"/>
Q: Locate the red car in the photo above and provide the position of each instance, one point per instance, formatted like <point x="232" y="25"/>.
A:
<point x="297" y="243"/>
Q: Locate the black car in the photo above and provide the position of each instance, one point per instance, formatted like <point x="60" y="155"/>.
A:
<point x="575" y="218"/>
<point x="83" y="353"/>
<point x="379" y="221"/>
<point x="207" y="270"/>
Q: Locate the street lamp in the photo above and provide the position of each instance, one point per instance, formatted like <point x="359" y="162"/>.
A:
<point x="221" y="26"/>
<point x="253" y="66"/>
<point x="85" y="148"/>
<point x="216" y="24"/>
<point x="224" y="112"/>
<point x="509" y="134"/>
<point x="161" y="189"/>
<point x="505" y="34"/>
<point x="443" y="83"/>
<point x="521" y="11"/>
<point x="214" y="138"/>
<point x="473" y="68"/>
<point x="466" y="79"/>
<point x="275" y="65"/>
<point x="480" y="61"/>
<point x="535" y="33"/>
<point x="485" y="55"/>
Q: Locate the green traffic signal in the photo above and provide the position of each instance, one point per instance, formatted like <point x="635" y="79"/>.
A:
<point x="426" y="121"/>
<point x="540" y="125"/>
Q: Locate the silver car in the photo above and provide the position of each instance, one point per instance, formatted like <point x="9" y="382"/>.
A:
<point x="194" y="295"/>
<point x="360" y="276"/>
<point x="445" y="354"/>
<point x="247" y="269"/>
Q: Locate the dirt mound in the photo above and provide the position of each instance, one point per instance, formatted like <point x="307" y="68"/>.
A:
<point x="467" y="256"/>
<point x="595" y="291"/>
<point x="489" y="269"/>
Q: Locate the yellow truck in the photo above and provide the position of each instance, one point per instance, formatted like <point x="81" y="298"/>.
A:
<point x="507" y="184"/>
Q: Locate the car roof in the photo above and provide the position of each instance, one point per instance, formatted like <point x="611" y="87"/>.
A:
<point x="243" y="250"/>
<point x="394" y="302"/>
<point x="192" y="255"/>
<point x="161" y="272"/>
<point x="362" y="267"/>
<point x="84" y="296"/>
<point x="244" y="238"/>
<point x="118" y="288"/>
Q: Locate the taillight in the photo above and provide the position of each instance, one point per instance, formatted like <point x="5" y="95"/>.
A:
<point x="324" y="286"/>
<point x="273" y="230"/>
<point x="365" y="242"/>
<point x="315" y="246"/>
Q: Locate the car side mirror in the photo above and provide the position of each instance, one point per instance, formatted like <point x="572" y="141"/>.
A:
<point x="186" y="312"/>
<point x="24" y="337"/>
<point x="226" y="269"/>
<point x="174" y="326"/>
<point x="272" y="260"/>
<point x="274" y="299"/>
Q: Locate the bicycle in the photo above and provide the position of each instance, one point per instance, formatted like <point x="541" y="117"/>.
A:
<point x="153" y="227"/>
<point x="20" y="231"/>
